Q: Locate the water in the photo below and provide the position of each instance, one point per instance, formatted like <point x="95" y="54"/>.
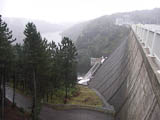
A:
<point x="55" y="36"/>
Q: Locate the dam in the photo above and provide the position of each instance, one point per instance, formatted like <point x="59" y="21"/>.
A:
<point x="129" y="79"/>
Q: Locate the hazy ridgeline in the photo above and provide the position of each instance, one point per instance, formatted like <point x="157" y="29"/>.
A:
<point x="17" y="25"/>
<point x="100" y="37"/>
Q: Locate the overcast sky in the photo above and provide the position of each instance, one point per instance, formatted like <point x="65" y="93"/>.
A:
<point x="58" y="11"/>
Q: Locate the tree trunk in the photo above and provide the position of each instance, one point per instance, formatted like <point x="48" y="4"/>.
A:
<point x="1" y="93"/>
<point x="25" y="84"/>
<point x="51" y="96"/>
<point x="66" y="96"/>
<point x="47" y="97"/>
<point x="66" y="88"/>
<point x="14" y="88"/>
<point x="34" y="96"/>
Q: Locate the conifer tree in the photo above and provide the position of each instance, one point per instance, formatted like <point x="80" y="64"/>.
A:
<point x="5" y="59"/>
<point x="17" y="68"/>
<point x="69" y="53"/>
<point x="35" y="62"/>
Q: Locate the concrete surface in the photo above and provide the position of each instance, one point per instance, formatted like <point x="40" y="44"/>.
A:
<point x="129" y="81"/>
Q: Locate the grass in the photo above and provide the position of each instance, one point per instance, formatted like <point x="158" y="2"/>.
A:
<point x="86" y="97"/>
<point x="20" y="90"/>
<point x="83" y="96"/>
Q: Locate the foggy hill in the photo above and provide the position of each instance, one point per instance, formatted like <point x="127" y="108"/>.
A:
<point x="101" y="36"/>
<point x="141" y="16"/>
<point x="17" y="25"/>
<point x="74" y="31"/>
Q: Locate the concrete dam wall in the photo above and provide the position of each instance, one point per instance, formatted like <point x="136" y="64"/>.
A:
<point x="129" y="81"/>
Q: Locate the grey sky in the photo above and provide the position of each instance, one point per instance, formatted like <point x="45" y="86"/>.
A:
<point x="70" y="10"/>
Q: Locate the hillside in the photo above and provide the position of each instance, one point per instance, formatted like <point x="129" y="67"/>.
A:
<point x="17" y="25"/>
<point x="98" y="37"/>
<point x="141" y="16"/>
<point x="101" y="36"/>
<point x="74" y="31"/>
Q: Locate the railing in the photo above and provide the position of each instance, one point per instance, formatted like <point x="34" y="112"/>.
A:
<point x="149" y="35"/>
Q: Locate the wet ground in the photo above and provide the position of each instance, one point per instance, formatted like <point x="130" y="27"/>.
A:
<point x="20" y="100"/>
<point x="48" y="113"/>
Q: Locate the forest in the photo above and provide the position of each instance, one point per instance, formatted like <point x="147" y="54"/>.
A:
<point x="36" y="67"/>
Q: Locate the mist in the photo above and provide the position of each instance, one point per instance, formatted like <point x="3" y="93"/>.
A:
<point x="70" y="11"/>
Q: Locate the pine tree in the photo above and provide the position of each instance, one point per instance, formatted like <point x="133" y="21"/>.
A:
<point x="52" y="83"/>
<point x="5" y="59"/>
<point x="17" y="68"/>
<point x="69" y="53"/>
<point x="35" y="62"/>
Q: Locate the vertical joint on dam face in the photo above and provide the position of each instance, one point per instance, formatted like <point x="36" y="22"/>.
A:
<point x="129" y="80"/>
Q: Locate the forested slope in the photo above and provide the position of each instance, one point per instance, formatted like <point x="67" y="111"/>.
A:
<point x="101" y="36"/>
